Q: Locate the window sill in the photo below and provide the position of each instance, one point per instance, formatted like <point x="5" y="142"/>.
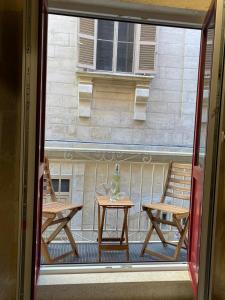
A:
<point x="121" y="76"/>
<point x="113" y="277"/>
<point x="110" y="268"/>
<point x="116" y="285"/>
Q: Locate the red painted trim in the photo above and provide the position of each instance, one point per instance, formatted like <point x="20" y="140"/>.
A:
<point x="197" y="171"/>
<point x="192" y="268"/>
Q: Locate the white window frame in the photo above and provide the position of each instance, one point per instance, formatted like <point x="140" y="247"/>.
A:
<point x="63" y="194"/>
<point x="115" y="49"/>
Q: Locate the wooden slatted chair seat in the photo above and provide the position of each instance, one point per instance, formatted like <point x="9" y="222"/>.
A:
<point x="56" y="213"/>
<point x="57" y="207"/>
<point x="176" y="210"/>
<point x="177" y="187"/>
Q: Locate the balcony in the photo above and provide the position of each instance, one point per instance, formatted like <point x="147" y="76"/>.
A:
<point x="77" y="175"/>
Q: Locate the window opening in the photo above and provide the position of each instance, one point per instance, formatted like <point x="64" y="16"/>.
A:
<point x="115" y="43"/>
<point x="105" y="42"/>
<point x="116" y="134"/>
<point x="55" y="183"/>
<point x="125" y="47"/>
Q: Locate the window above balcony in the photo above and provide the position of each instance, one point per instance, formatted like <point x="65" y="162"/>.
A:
<point x="118" y="48"/>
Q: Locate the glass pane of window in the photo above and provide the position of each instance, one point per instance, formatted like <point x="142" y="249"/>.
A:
<point x="65" y="185"/>
<point x="104" y="55"/>
<point x="124" y="57"/>
<point x="105" y="30"/>
<point x="126" y="32"/>
<point x="164" y="216"/>
<point x="55" y="185"/>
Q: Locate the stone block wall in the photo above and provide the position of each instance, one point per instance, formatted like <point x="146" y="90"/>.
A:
<point x="170" y="109"/>
<point x="61" y="81"/>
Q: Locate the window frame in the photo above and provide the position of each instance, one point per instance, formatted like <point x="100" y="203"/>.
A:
<point x="115" y="50"/>
<point x="63" y="194"/>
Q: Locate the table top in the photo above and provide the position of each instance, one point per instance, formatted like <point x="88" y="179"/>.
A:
<point x="56" y="207"/>
<point x="104" y="201"/>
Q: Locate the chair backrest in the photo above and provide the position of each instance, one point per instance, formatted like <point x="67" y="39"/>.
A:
<point x="178" y="181"/>
<point x="48" y="191"/>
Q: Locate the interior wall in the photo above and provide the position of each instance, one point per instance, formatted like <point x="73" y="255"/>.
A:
<point x="189" y="14"/>
<point x="11" y="103"/>
<point x="198" y="5"/>
<point x="218" y="263"/>
<point x="11" y="27"/>
<point x="201" y="5"/>
<point x="218" y="274"/>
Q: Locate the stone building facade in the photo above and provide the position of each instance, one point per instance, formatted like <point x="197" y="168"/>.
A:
<point x="90" y="113"/>
<point x="170" y="106"/>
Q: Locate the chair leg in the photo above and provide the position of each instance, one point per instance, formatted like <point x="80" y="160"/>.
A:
<point x="63" y="224"/>
<point x="71" y="240"/>
<point x="156" y="227"/>
<point x="44" y="251"/>
<point x="56" y="231"/>
<point x="149" y="234"/>
<point x="147" y="238"/>
<point x="177" y="224"/>
<point x="180" y="229"/>
<point x="182" y="238"/>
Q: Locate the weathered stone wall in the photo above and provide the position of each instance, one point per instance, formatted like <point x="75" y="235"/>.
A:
<point x="61" y="84"/>
<point x="171" y="105"/>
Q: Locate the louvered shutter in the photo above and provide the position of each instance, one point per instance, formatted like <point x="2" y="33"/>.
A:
<point x="146" y="44"/>
<point x="209" y="51"/>
<point x="87" y="40"/>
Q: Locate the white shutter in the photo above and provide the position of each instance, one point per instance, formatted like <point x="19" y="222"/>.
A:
<point x="146" y="45"/>
<point x="209" y="50"/>
<point x="208" y="57"/>
<point x="87" y="43"/>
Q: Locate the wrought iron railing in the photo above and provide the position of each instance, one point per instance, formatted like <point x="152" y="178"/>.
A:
<point x="142" y="179"/>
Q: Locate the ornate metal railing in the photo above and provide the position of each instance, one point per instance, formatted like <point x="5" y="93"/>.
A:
<point x="142" y="179"/>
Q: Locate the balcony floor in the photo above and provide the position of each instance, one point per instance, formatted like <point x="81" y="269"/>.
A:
<point x="88" y="253"/>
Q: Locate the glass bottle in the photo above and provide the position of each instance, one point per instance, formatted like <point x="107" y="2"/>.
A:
<point x="115" y="190"/>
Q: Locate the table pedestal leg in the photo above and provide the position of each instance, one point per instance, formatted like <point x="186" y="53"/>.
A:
<point x="100" y="230"/>
<point x="108" y="243"/>
<point x="126" y="231"/>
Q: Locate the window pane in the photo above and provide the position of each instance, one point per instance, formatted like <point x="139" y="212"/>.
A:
<point x="55" y="185"/>
<point x="105" y="30"/>
<point x="65" y="185"/>
<point x="104" y="55"/>
<point x="124" y="57"/>
<point x="164" y="216"/>
<point x="126" y="32"/>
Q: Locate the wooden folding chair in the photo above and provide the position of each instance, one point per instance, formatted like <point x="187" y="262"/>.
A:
<point x="55" y="213"/>
<point x="177" y="186"/>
